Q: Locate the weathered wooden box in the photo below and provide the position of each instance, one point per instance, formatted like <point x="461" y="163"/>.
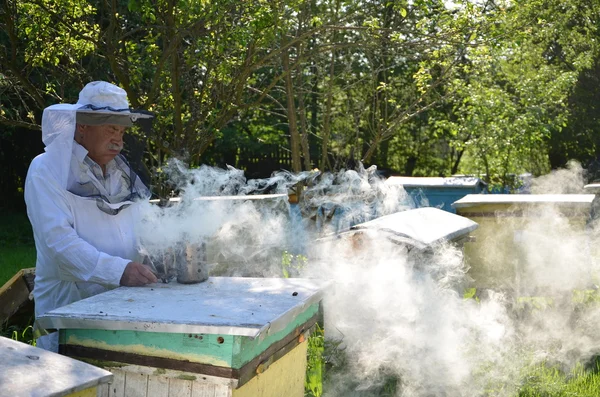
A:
<point x="26" y="370"/>
<point x="497" y="257"/>
<point x="15" y="303"/>
<point x="223" y="337"/>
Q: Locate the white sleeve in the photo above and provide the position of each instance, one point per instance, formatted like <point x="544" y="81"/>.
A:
<point x="52" y="221"/>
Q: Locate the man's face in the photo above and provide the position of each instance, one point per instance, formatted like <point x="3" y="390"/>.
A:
<point x="103" y="142"/>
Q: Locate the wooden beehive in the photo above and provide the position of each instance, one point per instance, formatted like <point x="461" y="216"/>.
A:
<point x="224" y="337"/>
<point x="496" y="257"/>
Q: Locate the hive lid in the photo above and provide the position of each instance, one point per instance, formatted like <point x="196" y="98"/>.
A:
<point x="472" y="200"/>
<point x="449" y="182"/>
<point x="26" y="370"/>
<point x="422" y="227"/>
<point x="220" y="305"/>
<point x="592" y="188"/>
<point x="238" y="198"/>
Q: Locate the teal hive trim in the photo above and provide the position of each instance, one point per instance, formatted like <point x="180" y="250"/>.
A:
<point x="440" y="197"/>
<point x="230" y="351"/>
<point x="200" y="348"/>
<point x="250" y="348"/>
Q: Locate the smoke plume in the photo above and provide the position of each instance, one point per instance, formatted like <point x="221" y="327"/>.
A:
<point x="399" y="322"/>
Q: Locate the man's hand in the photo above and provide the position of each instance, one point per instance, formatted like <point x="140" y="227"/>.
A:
<point x="136" y="274"/>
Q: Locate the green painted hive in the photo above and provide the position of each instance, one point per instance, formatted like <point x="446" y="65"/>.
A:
<point x="226" y="327"/>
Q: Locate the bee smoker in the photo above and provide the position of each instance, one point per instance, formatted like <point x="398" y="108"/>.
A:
<point x="191" y="263"/>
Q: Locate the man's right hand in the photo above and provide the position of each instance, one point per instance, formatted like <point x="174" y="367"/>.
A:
<point x="136" y="274"/>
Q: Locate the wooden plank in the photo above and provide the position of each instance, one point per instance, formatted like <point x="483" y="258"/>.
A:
<point x="223" y="392"/>
<point x="156" y="362"/>
<point x="180" y="388"/>
<point x="29" y="276"/>
<point x="117" y="387"/>
<point x="158" y="386"/>
<point x="91" y="392"/>
<point x="136" y="385"/>
<point x="274" y="353"/>
<point x="103" y="390"/>
<point x="163" y="373"/>
<point x="13" y="295"/>
<point x="203" y="390"/>
<point x="283" y="378"/>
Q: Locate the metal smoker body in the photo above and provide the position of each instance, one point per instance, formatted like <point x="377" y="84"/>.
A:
<point x="190" y="263"/>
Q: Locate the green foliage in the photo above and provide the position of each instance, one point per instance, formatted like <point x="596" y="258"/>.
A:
<point x="512" y="93"/>
<point x="470" y="293"/>
<point x="423" y="88"/>
<point x="313" y="384"/>
<point x="586" y="297"/>
<point x="292" y="264"/>
<point x="19" y="333"/>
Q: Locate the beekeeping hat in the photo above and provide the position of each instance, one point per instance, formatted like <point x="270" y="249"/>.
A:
<point x="99" y="103"/>
<point x="105" y="103"/>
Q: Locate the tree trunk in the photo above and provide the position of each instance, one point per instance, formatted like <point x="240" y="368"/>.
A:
<point x="291" y="112"/>
<point x="323" y="164"/>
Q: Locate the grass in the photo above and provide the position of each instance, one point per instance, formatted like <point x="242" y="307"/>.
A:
<point x="17" y="249"/>
<point x="313" y="384"/>
<point x="547" y="381"/>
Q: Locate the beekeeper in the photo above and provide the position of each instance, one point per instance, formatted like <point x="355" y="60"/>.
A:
<point x="82" y="200"/>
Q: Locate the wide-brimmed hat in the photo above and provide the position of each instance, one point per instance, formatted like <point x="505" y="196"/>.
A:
<point x="101" y="102"/>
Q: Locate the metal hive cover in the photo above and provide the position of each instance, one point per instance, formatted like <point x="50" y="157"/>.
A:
<point x="220" y="305"/>
<point x="579" y="200"/>
<point x="425" y="226"/>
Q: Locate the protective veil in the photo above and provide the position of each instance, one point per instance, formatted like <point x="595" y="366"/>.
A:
<point x="84" y="239"/>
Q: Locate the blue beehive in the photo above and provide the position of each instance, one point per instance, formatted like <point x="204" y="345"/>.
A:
<point x="438" y="192"/>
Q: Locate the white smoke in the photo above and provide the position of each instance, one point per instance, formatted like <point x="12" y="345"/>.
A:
<point x="399" y="318"/>
<point x="562" y="181"/>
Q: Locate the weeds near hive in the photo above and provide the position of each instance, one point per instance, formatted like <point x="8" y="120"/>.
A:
<point x="20" y="334"/>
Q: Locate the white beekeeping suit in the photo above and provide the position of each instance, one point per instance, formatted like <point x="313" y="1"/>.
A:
<point x="83" y="231"/>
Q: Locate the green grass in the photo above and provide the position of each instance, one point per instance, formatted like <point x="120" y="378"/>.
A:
<point x="17" y="249"/>
<point x="547" y="381"/>
<point x="313" y="384"/>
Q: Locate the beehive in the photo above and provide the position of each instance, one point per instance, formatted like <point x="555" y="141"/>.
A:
<point x="496" y="258"/>
<point x="437" y="192"/>
<point x="224" y="337"/>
